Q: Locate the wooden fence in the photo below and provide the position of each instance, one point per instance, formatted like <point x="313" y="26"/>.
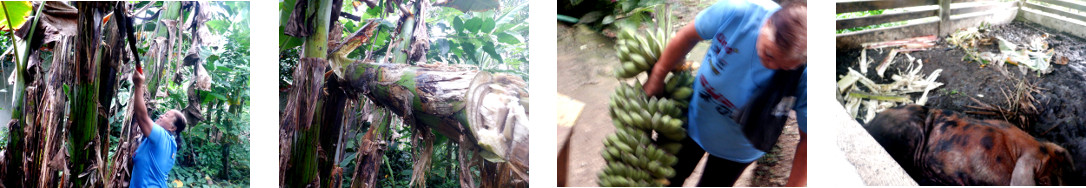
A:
<point x="942" y="17"/>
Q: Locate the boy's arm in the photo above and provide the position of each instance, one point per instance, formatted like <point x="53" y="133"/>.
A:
<point x="672" y="56"/>
<point x="141" y="118"/>
<point x="798" y="176"/>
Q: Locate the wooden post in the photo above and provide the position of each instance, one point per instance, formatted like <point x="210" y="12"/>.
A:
<point x="1021" y="3"/>
<point x="944" y="17"/>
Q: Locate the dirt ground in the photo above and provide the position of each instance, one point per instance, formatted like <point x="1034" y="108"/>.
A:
<point x="1060" y="99"/>
<point x="585" y="59"/>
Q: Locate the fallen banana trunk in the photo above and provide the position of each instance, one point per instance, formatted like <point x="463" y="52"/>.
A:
<point x="455" y="101"/>
<point x="490" y="110"/>
<point x="483" y="112"/>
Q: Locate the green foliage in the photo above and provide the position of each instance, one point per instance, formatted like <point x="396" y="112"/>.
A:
<point x="866" y="13"/>
<point x="286" y="41"/>
<point x="14" y="12"/>
<point x="615" y="13"/>
<point x="493" y="40"/>
<point x="225" y="133"/>
<point x="6" y="64"/>
<point x="632" y="13"/>
<point x="288" y="59"/>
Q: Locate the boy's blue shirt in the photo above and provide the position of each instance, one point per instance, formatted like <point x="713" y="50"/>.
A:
<point x="154" y="159"/>
<point x="730" y="75"/>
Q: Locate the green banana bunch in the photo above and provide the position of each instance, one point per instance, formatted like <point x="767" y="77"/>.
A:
<point x="679" y="86"/>
<point x="633" y="157"/>
<point x="638" y="53"/>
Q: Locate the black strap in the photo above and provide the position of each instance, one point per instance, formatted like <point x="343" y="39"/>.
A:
<point x="763" y="118"/>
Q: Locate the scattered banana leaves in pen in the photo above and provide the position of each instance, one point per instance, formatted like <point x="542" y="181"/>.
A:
<point x="1035" y="55"/>
<point x="863" y="98"/>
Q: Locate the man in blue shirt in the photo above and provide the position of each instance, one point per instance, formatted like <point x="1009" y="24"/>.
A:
<point x="155" y="156"/>
<point x="750" y="40"/>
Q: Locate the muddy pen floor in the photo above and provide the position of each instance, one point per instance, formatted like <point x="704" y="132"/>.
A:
<point x="1059" y="95"/>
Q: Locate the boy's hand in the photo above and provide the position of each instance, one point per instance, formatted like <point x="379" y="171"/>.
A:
<point x="137" y="78"/>
<point x="654" y="85"/>
<point x="671" y="57"/>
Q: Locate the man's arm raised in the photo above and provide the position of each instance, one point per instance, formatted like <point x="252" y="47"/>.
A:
<point x="141" y="117"/>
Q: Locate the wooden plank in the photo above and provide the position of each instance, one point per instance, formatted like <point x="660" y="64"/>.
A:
<point x="865" y="5"/>
<point x="944" y="17"/>
<point x="1068" y="4"/>
<point x="886" y="18"/>
<point x="1056" y="11"/>
<point x="996" y="6"/>
<point x="855" y="39"/>
<point x="968" y="1"/>
<point x="993" y="17"/>
<point x="569" y="110"/>
<point x="1049" y="20"/>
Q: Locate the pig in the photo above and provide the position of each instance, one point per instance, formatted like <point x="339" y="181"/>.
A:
<point x="942" y="147"/>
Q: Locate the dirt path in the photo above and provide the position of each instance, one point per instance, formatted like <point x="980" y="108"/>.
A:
<point x="585" y="59"/>
<point x="584" y="63"/>
<point x="1060" y="99"/>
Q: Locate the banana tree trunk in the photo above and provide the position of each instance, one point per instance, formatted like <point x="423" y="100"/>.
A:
<point x="371" y="149"/>
<point x="15" y="170"/>
<point x="85" y="106"/>
<point x="54" y="105"/>
<point x="108" y="78"/>
<point x="32" y="144"/>
<point x="330" y="114"/>
<point x="45" y="113"/>
<point x="301" y="129"/>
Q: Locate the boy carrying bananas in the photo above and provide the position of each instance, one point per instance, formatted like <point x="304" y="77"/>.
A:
<point x="750" y="41"/>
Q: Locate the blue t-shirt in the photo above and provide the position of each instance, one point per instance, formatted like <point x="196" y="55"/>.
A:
<point x="730" y="75"/>
<point x="154" y="159"/>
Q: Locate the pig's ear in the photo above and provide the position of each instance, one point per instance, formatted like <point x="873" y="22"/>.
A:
<point x="1024" y="170"/>
<point x="1061" y="157"/>
<point x="1056" y="163"/>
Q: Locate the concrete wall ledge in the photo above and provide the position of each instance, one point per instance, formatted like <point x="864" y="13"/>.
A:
<point x="871" y="164"/>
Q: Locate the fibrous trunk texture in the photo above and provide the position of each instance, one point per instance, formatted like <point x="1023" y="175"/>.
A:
<point x="85" y="105"/>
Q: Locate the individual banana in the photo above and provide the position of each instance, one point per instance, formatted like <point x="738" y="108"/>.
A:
<point x="682" y="93"/>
